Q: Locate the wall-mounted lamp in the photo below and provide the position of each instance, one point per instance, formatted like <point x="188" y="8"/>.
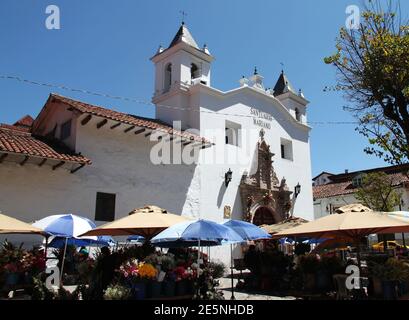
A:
<point x="227" y="177"/>
<point x="297" y="190"/>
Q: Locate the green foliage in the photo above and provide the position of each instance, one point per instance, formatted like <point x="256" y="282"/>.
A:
<point x="392" y="270"/>
<point x="10" y="253"/>
<point x="373" y="72"/>
<point x="40" y="291"/>
<point x="309" y="264"/>
<point x="217" y="269"/>
<point x="166" y="262"/>
<point x="206" y="287"/>
<point x="378" y="193"/>
<point x="332" y="264"/>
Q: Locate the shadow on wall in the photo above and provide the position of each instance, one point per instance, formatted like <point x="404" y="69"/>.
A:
<point x="222" y="191"/>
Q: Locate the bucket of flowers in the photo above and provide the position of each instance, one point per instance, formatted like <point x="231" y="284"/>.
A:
<point x="136" y="274"/>
<point x="13" y="271"/>
<point x="32" y="264"/>
<point x="10" y="263"/>
<point x="184" y="280"/>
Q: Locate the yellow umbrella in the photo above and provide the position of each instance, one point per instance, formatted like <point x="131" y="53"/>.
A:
<point x="12" y="225"/>
<point x="147" y="221"/>
<point x="351" y="222"/>
<point x="283" y="225"/>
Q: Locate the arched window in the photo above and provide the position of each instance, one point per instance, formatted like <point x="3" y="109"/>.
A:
<point x="194" y="71"/>
<point x="297" y="114"/>
<point x="168" y="76"/>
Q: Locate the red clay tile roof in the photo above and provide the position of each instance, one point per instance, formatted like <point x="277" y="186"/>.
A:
<point x="13" y="127"/>
<point x="19" y="142"/>
<point x="133" y="120"/>
<point x="26" y="121"/>
<point x="345" y="187"/>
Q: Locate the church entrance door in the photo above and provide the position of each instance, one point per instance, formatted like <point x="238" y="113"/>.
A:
<point x="263" y="215"/>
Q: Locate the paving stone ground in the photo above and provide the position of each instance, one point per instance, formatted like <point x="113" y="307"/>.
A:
<point x="225" y="286"/>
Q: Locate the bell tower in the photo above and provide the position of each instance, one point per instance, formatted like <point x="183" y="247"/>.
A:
<point x="178" y="67"/>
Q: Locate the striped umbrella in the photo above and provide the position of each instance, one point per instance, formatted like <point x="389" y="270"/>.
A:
<point x="66" y="225"/>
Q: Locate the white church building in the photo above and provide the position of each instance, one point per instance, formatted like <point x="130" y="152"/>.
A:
<point x="211" y="154"/>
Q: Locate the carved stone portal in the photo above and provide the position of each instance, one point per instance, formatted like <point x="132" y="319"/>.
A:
<point x="265" y="199"/>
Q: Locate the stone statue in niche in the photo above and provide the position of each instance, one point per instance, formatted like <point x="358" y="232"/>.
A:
<point x="283" y="184"/>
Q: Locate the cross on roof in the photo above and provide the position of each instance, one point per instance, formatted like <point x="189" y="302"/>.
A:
<point x="184" y="14"/>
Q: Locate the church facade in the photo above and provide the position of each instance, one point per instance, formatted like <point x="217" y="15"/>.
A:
<point x="211" y="154"/>
<point x="260" y="136"/>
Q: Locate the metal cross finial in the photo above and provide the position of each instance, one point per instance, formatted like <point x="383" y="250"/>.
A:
<point x="184" y="14"/>
<point x="282" y="67"/>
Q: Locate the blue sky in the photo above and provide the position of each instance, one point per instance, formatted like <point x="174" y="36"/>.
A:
<point x="105" y="46"/>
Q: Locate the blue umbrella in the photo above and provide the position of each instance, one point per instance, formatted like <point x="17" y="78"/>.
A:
<point x="246" y="230"/>
<point x="314" y="241"/>
<point x="196" y="233"/>
<point x="59" y="242"/>
<point x="286" y="241"/>
<point x="136" y="238"/>
<point x="66" y="226"/>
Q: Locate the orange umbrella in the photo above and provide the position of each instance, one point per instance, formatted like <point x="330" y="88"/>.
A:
<point x="147" y="222"/>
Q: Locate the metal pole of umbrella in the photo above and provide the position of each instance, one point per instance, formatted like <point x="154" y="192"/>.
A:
<point x="403" y="234"/>
<point x="63" y="260"/>
<point x="198" y="258"/>
<point x="198" y="267"/>
<point x="231" y="273"/>
<point x="45" y="251"/>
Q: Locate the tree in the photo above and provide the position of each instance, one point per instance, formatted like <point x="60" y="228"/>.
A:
<point x="378" y="192"/>
<point x="372" y="65"/>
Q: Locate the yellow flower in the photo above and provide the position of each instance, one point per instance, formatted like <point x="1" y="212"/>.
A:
<point x="146" y="270"/>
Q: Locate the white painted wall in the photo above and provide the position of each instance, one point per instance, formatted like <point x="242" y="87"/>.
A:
<point x="121" y="165"/>
<point x="322" y="179"/>
<point x="282" y="126"/>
